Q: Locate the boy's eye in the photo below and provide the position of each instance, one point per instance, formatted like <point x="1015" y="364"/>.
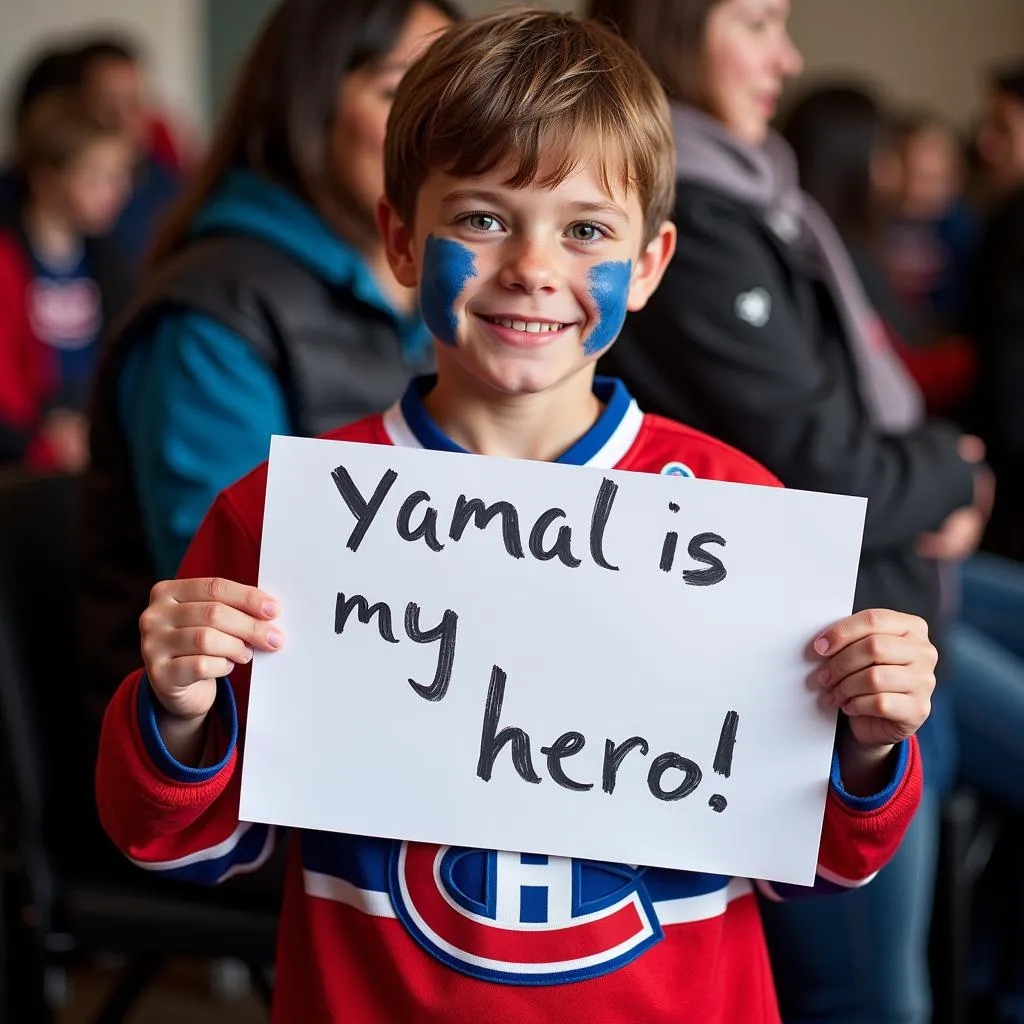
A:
<point x="483" y="222"/>
<point x="585" y="232"/>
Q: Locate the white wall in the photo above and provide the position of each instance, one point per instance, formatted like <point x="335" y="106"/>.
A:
<point x="170" y="31"/>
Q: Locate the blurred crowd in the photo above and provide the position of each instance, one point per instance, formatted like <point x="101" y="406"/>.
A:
<point x="163" y="312"/>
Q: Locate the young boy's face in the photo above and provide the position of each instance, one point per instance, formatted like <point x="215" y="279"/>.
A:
<point x="92" y="191"/>
<point x="524" y="288"/>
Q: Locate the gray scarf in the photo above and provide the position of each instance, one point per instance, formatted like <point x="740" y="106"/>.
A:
<point x="766" y="177"/>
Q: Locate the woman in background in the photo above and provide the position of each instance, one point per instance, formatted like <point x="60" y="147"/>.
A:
<point x="269" y="307"/>
<point x="760" y="334"/>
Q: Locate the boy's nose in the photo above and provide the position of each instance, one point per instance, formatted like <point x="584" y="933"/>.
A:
<point x="530" y="268"/>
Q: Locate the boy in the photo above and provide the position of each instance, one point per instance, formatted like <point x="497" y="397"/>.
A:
<point x="59" y="281"/>
<point x="528" y="243"/>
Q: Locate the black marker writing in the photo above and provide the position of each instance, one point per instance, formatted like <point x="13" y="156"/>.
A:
<point x="613" y="757"/>
<point x="561" y="549"/>
<point x="599" y="520"/>
<point x="716" y="571"/>
<point x="566" y="745"/>
<point x="363" y="510"/>
<point x="726" y="744"/>
<point x="475" y="509"/>
<point x="445" y="632"/>
<point x="427" y="529"/>
<point x="663" y="763"/>
<point x="491" y="741"/>
<point x="344" y="607"/>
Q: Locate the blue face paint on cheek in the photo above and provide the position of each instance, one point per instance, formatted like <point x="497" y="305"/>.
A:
<point x="447" y="266"/>
<point x="609" y="288"/>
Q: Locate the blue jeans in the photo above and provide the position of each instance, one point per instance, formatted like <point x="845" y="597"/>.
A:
<point x="861" y="958"/>
<point x="986" y="678"/>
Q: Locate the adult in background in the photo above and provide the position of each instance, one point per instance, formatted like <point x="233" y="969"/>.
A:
<point x="760" y="334"/>
<point x="269" y="307"/>
<point x="997" y="307"/>
<point x="112" y="82"/>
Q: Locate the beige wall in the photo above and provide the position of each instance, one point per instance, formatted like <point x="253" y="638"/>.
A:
<point x="930" y="52"/>
<point x="169" y="30"/>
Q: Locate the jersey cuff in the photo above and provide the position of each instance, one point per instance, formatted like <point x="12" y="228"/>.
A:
<point x="223" y="707"/>
<point x="867" y="804"/>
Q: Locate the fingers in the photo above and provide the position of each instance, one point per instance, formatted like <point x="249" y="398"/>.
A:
<point x="198" y="617"/>
<point x="206" y="642"/>
<point x="971" y="448"/>
<point x="878" y="650"/>
<point x="181" y="673"/>
<point x="251" y="600"/>
<point x="904" y="711"/>
<point x="865" y="623"/>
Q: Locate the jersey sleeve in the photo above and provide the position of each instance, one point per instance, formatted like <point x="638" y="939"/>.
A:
<point x="168" y="817"/>
<point x="859" y="834"/>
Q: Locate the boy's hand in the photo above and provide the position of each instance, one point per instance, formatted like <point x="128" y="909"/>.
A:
<point x="195" y="631"/>
<point x="880" y="671"/>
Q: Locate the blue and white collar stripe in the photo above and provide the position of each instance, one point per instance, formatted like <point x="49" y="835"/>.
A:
<point x="409" y="425"/>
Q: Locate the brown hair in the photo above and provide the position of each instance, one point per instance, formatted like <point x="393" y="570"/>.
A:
<point x="278" y="120"/>
<point x="521" y="85"/>
<point x="56" y="129"/>
<point x="669" y="35"/>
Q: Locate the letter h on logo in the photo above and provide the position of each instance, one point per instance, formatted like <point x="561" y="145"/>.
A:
<point x="533" y="889"/>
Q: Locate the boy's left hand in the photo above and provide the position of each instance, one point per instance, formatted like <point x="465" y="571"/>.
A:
<point x="879" y="669"/>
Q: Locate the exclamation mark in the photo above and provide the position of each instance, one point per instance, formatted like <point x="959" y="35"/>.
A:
<point x="723" y="757"/>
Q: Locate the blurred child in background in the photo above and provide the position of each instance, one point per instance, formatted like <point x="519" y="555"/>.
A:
<point x="59" y="281"/>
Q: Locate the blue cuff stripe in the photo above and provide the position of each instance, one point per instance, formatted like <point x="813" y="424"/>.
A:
<point x="879" y="800"/>
<point x="224" y="707"/>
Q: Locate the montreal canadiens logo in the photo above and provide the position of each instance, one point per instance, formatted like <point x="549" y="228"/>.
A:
<point x="519" y="918"/>
<point x="677" y="469"/>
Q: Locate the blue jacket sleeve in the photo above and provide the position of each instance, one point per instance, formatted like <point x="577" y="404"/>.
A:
<point x="198" y="407"/>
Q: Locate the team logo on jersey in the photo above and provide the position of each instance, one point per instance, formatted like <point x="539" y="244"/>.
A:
<point x="677" y="469"/>
<point x="519" y="918"/>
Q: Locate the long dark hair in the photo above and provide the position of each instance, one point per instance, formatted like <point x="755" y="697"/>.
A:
<point x="837" y="132"/>
<point x="278" y="120"/>
<point x="670" y="36"/>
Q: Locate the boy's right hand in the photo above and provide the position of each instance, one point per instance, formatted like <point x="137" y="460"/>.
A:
<point x="195" y="631"/>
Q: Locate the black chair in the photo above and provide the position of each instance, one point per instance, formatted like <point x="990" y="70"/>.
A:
<point x="64" y="890"/>
<point x="969" y="834"/>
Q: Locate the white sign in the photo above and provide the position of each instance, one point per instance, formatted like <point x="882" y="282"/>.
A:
<point x="523" y="656"/>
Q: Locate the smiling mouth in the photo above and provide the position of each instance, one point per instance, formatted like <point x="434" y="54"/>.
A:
<point x="529" y="326"/>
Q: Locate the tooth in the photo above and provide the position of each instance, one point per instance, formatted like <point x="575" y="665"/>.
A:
<point x="519" y="325"/>
<point x="506" y="323"/>
<point x="535" y="328"/>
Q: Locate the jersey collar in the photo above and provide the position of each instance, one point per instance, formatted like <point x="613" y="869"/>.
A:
<point x="409" y="425"/>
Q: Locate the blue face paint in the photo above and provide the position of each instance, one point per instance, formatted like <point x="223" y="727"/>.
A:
<point x="447" y="266"/>
<point x="609" y="288"/>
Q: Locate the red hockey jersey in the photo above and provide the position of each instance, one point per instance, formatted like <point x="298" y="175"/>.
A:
<point x="376" y="930"/>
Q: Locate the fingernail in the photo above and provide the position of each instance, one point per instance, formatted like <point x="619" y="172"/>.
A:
<point x="248" y="654"/>
<point x="824" y="676"/>
<point x="270" y="609"/>
<point x="274" y="638"/>
<point x="821" y="645"/>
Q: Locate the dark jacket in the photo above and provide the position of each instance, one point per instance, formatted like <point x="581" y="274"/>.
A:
<point x="741" y="341"/>
<point x="336" y="357"/>
<point x="997" y="327"/>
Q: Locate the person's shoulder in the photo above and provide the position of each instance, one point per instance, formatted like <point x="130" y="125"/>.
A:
<point x="669" y="448"/>
<point x="245" y="498"/>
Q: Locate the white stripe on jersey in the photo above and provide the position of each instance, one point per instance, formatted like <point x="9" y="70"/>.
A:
<point x="210" y="853"/>
<point x="608" y="456"/>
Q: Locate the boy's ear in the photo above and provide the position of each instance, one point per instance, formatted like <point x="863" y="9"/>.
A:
<point x="398" y="244"/>
<point x="651" y="266"/>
